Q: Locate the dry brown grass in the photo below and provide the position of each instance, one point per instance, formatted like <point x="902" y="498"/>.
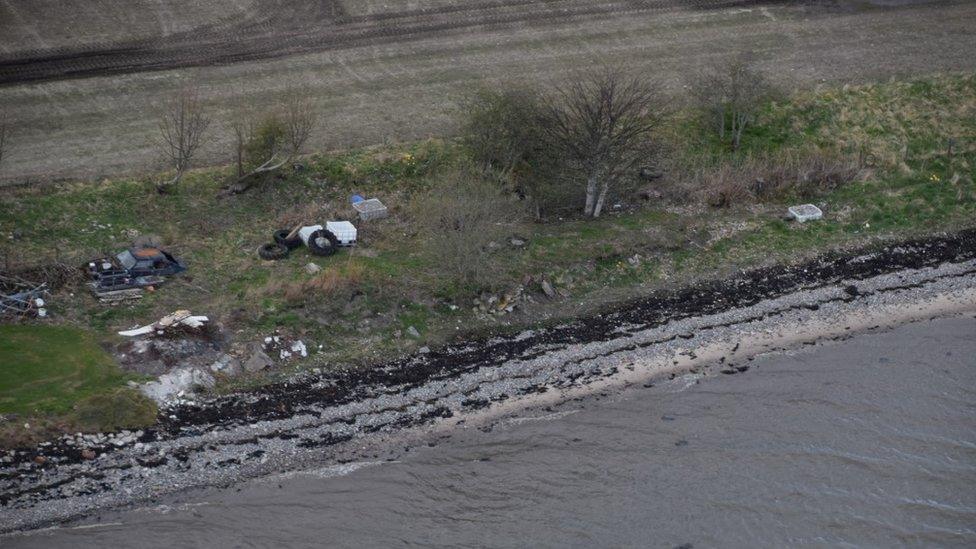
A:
<point x="308" y="213"/>
<point x="333" y="282"/>
<point x="804" y="173"/>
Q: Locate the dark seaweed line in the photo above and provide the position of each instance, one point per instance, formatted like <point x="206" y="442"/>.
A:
<point x="707" y="298"/>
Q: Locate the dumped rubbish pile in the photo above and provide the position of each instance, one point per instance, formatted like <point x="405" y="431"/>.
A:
<point x="320" y="240"/>
<point x="187" y="352"/>
<point x="126" y="274"/>
<point x="183" y="350"/>
<point x="170" y="322"/>
<point x="284" y="347"/>
<point x="19" y="297"/>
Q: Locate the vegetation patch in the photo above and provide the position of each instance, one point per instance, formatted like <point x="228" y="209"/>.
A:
<point x="60" y="374"/>
<point x="883" y="161"/>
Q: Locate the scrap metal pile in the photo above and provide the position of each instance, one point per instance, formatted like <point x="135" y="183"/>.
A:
<point x="125" y="274"/>
<point x="19" y="297"/>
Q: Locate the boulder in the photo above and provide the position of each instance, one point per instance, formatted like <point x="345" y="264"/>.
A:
<point x="548" y="289"/>
<point x="226" y="365"/>
<point x="181" y="380"/>
<point x="258" y="360"/>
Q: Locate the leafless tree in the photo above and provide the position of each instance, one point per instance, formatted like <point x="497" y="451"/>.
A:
<point x="243" y="125"/>
<point x="732" y="94"/>
<point x="4" y="135"/>
<point x="183" y="122"/>
<point x="277" y="140"/>
<point x="604" y="123"/>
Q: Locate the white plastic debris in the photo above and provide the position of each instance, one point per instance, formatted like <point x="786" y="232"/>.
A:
<point x="805" y="212"/>
<point x="176" y="384"/>
<point x="176" y="318"/>
<point x="344" y="231"/>
<point x="298" y="347"/>
<point x="307" y="231"/>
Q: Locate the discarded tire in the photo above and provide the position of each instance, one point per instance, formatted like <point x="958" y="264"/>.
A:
<point x="281" y="237"/>
<point x="322" y="242"/>
<point x="273" y="251"/>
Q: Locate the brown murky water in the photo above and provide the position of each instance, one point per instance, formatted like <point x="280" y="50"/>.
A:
<point x="868" y="442"/>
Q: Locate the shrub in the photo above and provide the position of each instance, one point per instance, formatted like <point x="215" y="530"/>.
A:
<point x="730" y="95"/>
<point x="462" y="214"/>
<point x="503" y="134"/>
<point x="265" y="142"/>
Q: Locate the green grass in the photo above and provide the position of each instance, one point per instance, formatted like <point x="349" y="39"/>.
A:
<point x="47" y="370"/>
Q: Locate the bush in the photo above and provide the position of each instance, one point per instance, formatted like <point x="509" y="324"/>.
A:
<point x="730" y="95"/>
<point x="266" y="141"/>
<point x="462" y="215"/>
<point x="503" y="134"/>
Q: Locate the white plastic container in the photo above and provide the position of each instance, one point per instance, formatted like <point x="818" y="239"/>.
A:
<point x="344" y="231"/>
<point x="307" y="231"/>
<point x="805" y="212"/>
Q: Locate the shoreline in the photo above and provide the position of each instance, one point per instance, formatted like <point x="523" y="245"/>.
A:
<point x="714" y="328"/>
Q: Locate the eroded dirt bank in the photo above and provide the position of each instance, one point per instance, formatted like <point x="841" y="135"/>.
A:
<point x="709" y="329"/>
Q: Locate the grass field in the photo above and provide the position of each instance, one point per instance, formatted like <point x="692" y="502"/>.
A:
<point x="58" y="378"/>
<point x="402" y="85"/>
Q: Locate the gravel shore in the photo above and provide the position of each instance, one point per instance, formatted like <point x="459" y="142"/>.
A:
<point x="715" y="328"/>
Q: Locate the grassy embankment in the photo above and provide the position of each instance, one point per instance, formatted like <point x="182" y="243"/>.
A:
<point x="360" y="306"/>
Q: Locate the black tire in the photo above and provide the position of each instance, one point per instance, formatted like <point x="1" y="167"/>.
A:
<point x="281" y="237"/>
<point x="273" y="251"/>
<point x="323" y="242"/>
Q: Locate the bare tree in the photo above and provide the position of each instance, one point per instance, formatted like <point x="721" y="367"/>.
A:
<point x="243" y="126"/>
<point x="604" y="122"/>
<point x="732" y="95"/>
<point x="4" y="135"/>
<point x="274" y="142"/>
<point x="182" y="125"/>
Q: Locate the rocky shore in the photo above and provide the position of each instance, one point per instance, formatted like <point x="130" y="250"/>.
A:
<point x="714" y="328"/>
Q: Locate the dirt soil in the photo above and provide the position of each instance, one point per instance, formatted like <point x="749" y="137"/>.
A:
<point x="383" y="71"/>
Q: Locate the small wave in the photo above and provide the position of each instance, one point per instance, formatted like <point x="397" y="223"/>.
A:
<point x="683" y="383"/>
<point x="329" y="471"/>
<point x="164" y="509"/>
<point x="547" y="417"/>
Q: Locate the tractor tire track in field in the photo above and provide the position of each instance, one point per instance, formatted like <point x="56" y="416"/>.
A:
<point x="314" y="27"/>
